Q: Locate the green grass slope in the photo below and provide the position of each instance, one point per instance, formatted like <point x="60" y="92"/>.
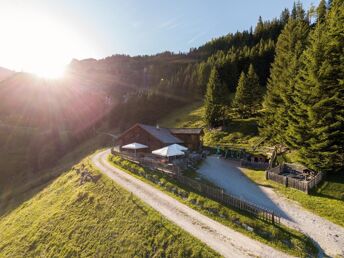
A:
<point x="96" y="219"/>
<point x="241" y="133"/>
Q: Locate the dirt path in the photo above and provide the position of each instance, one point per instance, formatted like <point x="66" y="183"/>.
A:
<point x="227" y="174"/>
<point x="222" y="239"/>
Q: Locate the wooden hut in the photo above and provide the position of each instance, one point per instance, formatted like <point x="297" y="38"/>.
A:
<point x="155" y="137"/>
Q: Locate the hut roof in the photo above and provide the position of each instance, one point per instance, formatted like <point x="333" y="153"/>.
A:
<point x="162" y="134"/>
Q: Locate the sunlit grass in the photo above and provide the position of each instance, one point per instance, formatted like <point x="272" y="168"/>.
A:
<point x="92" y="220"/>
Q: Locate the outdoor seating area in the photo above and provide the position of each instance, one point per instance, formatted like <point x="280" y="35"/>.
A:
<point x="171" y="149"/>
<point x="174" y="157"/>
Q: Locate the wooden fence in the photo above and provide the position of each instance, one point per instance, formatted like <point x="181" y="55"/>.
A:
<point x="214" y="193"/>
<point x="302" y="185"/>
<point x="276" y="177"/>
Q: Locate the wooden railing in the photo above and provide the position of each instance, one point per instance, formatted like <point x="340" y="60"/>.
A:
<point x="212" y="192"/>
<point x="230" y="200"/>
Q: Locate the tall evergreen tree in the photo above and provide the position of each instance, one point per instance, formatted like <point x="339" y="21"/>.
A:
<point x="290" y="45"/>
<point x="216" y="99"/>
<point x="317" y="124"/>
<point x="254" y="85"/>
<point x="242" y="95"/>
<point x="321" y="11"/>
<point x="247" y="93"/>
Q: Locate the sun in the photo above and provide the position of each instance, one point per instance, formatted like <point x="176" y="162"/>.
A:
<point x="39" y="44"/>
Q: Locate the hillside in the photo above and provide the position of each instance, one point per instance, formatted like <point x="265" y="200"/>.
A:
<point x="94" y="219"/>
<point x="239" y="133"/>
<point x="42" y="120"/>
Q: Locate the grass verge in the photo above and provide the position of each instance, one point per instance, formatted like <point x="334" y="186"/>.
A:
<point x="279" y="237"/>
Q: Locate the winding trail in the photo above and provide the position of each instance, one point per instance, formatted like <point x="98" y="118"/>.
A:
<point x="222" y="239"/>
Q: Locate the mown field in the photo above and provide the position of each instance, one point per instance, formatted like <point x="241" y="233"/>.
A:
<point x="96" y="219"/>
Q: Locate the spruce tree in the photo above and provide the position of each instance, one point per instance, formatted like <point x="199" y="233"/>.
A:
<point x="253" y="81"/>
<point x="216" y="99"/>
<point x="321" y="11"/>
<point x="242" y="95"/>
<point x="317" y="124"/>
<point x="290" y="45"/>
<point x="247" y="93"/>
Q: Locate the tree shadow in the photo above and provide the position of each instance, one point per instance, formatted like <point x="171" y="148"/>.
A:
<point x="226" y="175"/>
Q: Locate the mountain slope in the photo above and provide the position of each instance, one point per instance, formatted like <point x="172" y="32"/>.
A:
<point x="94" y="219"/>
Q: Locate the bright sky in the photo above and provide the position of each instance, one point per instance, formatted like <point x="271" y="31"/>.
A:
<point x="42" y="36"/>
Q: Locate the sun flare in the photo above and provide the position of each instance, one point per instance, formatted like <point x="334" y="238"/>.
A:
<point x="38" y="44"/>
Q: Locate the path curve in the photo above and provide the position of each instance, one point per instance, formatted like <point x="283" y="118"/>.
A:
<point x="222" y="239"/>
<point x="228" y="175"/>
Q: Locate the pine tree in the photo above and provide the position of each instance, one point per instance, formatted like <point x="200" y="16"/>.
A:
<point x="253" y="81"/>
<point x="317" y="127"/>
<point x="321" y="11"/>
<point x="290" y="45"/>
<point x="242" y="95"/>
<point x="216" y="99"/>
<point x="247" y="93"/>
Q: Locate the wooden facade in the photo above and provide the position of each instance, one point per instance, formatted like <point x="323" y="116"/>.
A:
<point x="156" y="138"/>
<point x="138" y="134"/>
<point x="191" y="137"/>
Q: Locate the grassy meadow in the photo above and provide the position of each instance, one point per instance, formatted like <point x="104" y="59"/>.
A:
<point x="240" y="133"/>
<point x="96" y="219"/>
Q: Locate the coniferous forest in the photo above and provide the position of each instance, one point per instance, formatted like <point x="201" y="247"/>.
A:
<point x="288" y="72"/>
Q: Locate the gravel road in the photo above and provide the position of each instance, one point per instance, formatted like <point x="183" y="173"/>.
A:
<point x="222" y="239"/>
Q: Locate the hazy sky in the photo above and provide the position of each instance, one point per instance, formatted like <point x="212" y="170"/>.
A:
<point x="99" y="28"/>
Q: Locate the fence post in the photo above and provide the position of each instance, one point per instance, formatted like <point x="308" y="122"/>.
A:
<point x="306" y="188"/>
<point x="267" y="175"/>
<point x="273" y="218"/>
<point x="222" y="194"/>
<point x="286" y="181"/>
